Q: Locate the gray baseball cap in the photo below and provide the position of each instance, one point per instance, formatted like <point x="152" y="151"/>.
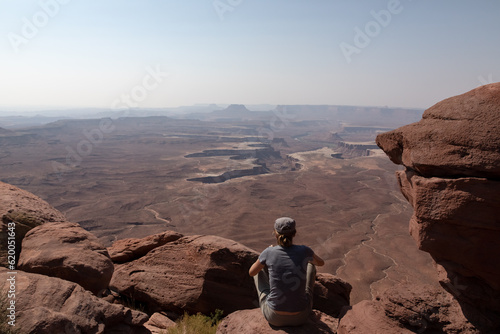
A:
<point x="284" y="225"/>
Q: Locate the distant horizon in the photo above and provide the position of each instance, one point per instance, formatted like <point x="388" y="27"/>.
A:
<point x="31" y="109"/>
<point x="151" y="54"/>
<point x="27" y="110"/>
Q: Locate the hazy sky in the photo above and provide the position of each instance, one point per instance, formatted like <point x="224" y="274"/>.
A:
<point x="162" y="53"/>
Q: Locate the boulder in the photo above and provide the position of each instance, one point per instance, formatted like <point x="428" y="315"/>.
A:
<point x="67" y="251"/>
<point x="20" y="212"/>
<point x="159" y="323"/>
<point x="52" y="305"/>
<point x="425" y="309"/>
<point x="369" y="316"/>
<point x="452" y="180"/>
<point x="252" y="321"/>
<point x="331" y="294"/>
<point x="460" y="228"/>
<point x="193" y="274"/>
<point x="201" y="274"/>
<point x="456" y="137"/>
<point x="407" y="309"/>
<point x="127" y="250"/>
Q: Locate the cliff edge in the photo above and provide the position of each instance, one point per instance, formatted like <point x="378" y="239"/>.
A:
<point x="66" y="281"/>
<point x="452" y="180"/>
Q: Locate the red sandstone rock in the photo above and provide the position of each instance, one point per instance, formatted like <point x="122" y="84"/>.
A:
<point x="26" y="211"/>
<point x="407" y="309"/>
<point x="452" y="181"/>
<point x="331" y="294"/>
<point x="369" y="317"/>
<point x="15" y="201"/>
<point x="48" y="305"/>
<point x="194" y="274"/>
<point x="159" y="323"/>
<point x="460" y="224"/>
<point x="457" y="222"/>
<point x="425" y="309"/>
<point x="126" y="250"/>
<point x="252" y="321"/>
<point x="456" y="137"/>
<point x="67" y="251"/>
<point x="203" y="273"/>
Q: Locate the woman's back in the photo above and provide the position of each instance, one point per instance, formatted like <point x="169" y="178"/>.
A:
<point x="285" y="289"/>
<point x="287" y="268"/>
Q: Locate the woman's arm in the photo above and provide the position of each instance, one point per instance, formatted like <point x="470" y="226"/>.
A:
<point x="317" y="261"/>
<point x="255" y="268"/>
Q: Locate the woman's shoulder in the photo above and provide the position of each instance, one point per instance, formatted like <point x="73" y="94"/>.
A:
<point x="270" y="249"/>
<point x="304" y="248"/>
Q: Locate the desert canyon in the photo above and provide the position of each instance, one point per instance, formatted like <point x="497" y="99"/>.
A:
<point x="169" y="213"/>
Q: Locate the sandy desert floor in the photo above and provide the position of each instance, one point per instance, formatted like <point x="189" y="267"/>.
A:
<point x="134" y="183"/>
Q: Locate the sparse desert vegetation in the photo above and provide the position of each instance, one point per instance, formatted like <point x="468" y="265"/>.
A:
<point x="196" y="324"/>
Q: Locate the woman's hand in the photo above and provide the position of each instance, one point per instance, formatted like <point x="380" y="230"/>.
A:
<point x="317" y="261"/>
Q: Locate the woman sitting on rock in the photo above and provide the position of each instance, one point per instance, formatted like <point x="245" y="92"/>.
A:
<point x="286" y="289"/>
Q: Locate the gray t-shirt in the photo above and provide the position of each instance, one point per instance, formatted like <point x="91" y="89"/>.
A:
<point x="287" y="276"/>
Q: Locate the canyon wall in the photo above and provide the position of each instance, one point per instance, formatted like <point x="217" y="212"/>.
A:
<point x="452" y="180"/>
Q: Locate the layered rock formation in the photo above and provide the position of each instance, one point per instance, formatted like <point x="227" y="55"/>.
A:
<point x="262" y="154"/>
<point x="456" y="137"/>
<point x="232" y="174"/>
<point x="452" y="180"/>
